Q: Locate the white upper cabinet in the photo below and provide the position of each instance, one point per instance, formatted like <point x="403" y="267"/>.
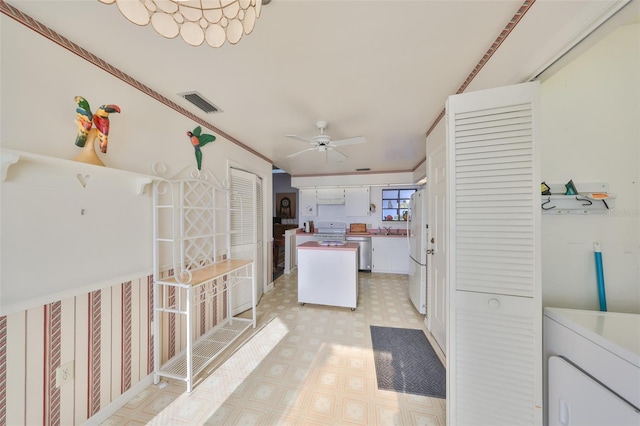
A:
<point x="307" y="202"/>
<point x="357" y="201"/>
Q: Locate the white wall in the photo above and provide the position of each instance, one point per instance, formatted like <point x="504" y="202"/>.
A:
<point x="38" y="113"/>
<point x="39" y="80"/>
<point x="591" y="133"/>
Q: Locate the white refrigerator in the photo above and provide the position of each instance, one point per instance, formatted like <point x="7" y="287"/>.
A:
<point x="417" y="238"/>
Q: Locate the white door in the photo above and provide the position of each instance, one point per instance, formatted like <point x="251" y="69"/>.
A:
<point x="261" y="272"/>
<point x="437" y="261"/>
<point x="246" y="236"/>
<point x="494" y="349"/>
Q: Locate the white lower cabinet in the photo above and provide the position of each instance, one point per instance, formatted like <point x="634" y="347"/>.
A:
<point x="328" y="276"/>
<point x="390" y="255"/>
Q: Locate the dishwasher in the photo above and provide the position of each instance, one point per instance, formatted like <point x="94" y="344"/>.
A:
<point x="364" y="251"/>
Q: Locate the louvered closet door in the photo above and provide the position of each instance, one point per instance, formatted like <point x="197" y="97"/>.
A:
<point x="495" y="316"/>
<point x="245" y="204"/>
<point x="260" y="254"/>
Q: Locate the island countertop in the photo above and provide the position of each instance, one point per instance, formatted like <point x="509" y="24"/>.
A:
<point x="315" y="246"/>
<point x="395" y="233"/>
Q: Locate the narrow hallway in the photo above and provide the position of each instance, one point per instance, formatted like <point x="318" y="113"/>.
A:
<point x="308" y="364"/>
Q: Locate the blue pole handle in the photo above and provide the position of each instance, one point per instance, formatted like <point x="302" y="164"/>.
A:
<point x="600" y="274"/>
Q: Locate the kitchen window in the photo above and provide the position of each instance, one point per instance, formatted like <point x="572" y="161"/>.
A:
<point x="395" y="204"/>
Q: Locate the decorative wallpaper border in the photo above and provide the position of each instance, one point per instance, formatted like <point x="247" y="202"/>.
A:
<point x="48" y="33"/>
<point x="72" y="47"/>
<point x="494" y="47"/>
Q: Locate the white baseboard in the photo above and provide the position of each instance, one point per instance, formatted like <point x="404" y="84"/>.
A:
<point x="108" y="411"/>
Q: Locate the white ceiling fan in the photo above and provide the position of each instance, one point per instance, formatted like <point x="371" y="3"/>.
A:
<point x="323" y="143"/>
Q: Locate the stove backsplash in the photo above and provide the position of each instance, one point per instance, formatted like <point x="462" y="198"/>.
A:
<point x="336" y="213"/>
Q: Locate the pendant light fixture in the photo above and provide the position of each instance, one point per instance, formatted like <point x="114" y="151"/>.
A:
<point x="196" y="21"/>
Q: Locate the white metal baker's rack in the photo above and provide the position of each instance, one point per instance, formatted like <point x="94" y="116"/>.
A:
<point x="192" y="228"/>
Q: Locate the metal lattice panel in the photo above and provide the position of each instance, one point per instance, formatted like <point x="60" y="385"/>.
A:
<point x="198" y="224"/>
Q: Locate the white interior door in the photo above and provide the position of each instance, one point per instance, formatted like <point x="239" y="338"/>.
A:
<point x="437" y="261"/>
<point x="261" y="271"/>
<point x="246" y="237"/>
<point x="494" y="360"/>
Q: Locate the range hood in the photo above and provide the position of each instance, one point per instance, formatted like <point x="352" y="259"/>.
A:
<point x="330" y="196"/>
<point x="331" y="200"/>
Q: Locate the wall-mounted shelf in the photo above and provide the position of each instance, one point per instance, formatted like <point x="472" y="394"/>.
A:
<point x="592" y="198"/>
<point x="83" y="171"/>
<point x="92" y="223"/>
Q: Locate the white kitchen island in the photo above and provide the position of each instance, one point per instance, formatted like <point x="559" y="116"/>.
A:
<point x="328" y="275"/>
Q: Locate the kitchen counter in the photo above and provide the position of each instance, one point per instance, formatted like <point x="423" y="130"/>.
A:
<point x="370" y="233"/>
<point x="328" y="275"/>
<point x="316" y="246"/>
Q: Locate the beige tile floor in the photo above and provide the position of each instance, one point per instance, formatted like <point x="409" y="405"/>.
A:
<point x="304" y="365"/>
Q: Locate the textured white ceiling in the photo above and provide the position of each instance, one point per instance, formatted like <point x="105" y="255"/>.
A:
<point x="378" y="69"/>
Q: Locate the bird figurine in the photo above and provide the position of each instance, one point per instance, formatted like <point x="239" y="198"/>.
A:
<point x="101" y="121"/>
<point x="198" y="140"/>
<point x="84" y="120"/>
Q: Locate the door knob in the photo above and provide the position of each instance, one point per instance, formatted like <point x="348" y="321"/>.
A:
<point x="430" y="251"/>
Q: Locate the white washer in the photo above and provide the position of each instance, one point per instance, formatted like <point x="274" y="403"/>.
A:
<point x="592" y="367"/>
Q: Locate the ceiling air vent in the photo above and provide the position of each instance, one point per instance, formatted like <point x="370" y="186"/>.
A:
<point x="364" y="169"/>
<point x="197" y="99"/>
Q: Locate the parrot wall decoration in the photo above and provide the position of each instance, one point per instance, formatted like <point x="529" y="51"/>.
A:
<point x="198" y="140"/>
<point x="101" y="121"/>
<point x="84" y="120"/>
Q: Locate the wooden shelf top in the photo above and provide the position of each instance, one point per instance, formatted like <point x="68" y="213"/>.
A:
<point x="199" y="276"/>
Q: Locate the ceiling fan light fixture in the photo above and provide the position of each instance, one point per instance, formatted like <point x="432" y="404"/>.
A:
<point x="323" y="143"/>
<point x="196" y="21"/>
<point x="321" y="139"/>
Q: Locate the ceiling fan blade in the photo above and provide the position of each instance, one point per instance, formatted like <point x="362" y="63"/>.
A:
<point x="349" y="141"/>
<point x="336" y="155"/>
<point x="300" y="138"/>
<point x="295" y="154"/>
